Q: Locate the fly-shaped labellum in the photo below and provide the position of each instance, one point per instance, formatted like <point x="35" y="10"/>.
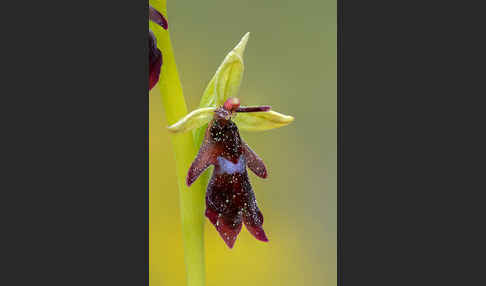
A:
<point x="155" y="55"/>
<point x="230" y="200"/>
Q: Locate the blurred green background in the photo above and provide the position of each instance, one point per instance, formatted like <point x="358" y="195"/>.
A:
<point x="290" y="64"/>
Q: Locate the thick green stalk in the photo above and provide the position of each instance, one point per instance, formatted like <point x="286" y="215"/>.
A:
<point x="191" y="198"/>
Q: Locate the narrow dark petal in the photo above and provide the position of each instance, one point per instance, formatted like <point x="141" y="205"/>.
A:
<point x="254" y="162"/>
<point x="262" y="108"/>
<point x="157" y="17"/>
<point x="206" y="156"/>
<point x="155" y="61"/>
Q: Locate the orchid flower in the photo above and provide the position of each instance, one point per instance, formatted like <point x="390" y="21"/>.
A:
<point x="230" y="200"/>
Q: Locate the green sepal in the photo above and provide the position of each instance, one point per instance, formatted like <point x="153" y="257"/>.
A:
<point x="193" y="120"/>
<point x="261" y="121"/>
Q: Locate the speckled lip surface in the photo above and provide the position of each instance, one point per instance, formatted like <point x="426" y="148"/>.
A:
<point x="230" y="200"/>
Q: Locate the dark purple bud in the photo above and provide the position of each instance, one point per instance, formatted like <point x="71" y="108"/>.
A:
<point x="155" y="55"/>
<point x="230" y="200"/>
<point x="155" y="61"/>
<point x="156" y="17"/>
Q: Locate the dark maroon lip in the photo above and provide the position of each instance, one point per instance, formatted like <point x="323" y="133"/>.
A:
<point x="230" y="200"/>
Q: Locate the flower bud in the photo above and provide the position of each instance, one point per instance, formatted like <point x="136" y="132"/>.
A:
<point x="155" y="55"/>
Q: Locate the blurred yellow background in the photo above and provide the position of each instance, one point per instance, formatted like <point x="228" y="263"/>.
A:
<point x="290" y="64"/>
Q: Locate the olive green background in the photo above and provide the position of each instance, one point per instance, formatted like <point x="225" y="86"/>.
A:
<point x="290" y="64"/>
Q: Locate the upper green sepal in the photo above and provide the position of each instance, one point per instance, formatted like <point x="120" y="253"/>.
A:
<point x="227" y="79"/>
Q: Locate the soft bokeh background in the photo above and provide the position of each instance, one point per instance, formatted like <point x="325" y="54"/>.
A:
<point x="290" y="64"/>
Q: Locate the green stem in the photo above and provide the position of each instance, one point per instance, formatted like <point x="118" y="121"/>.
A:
<point x="191" y="198"/>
